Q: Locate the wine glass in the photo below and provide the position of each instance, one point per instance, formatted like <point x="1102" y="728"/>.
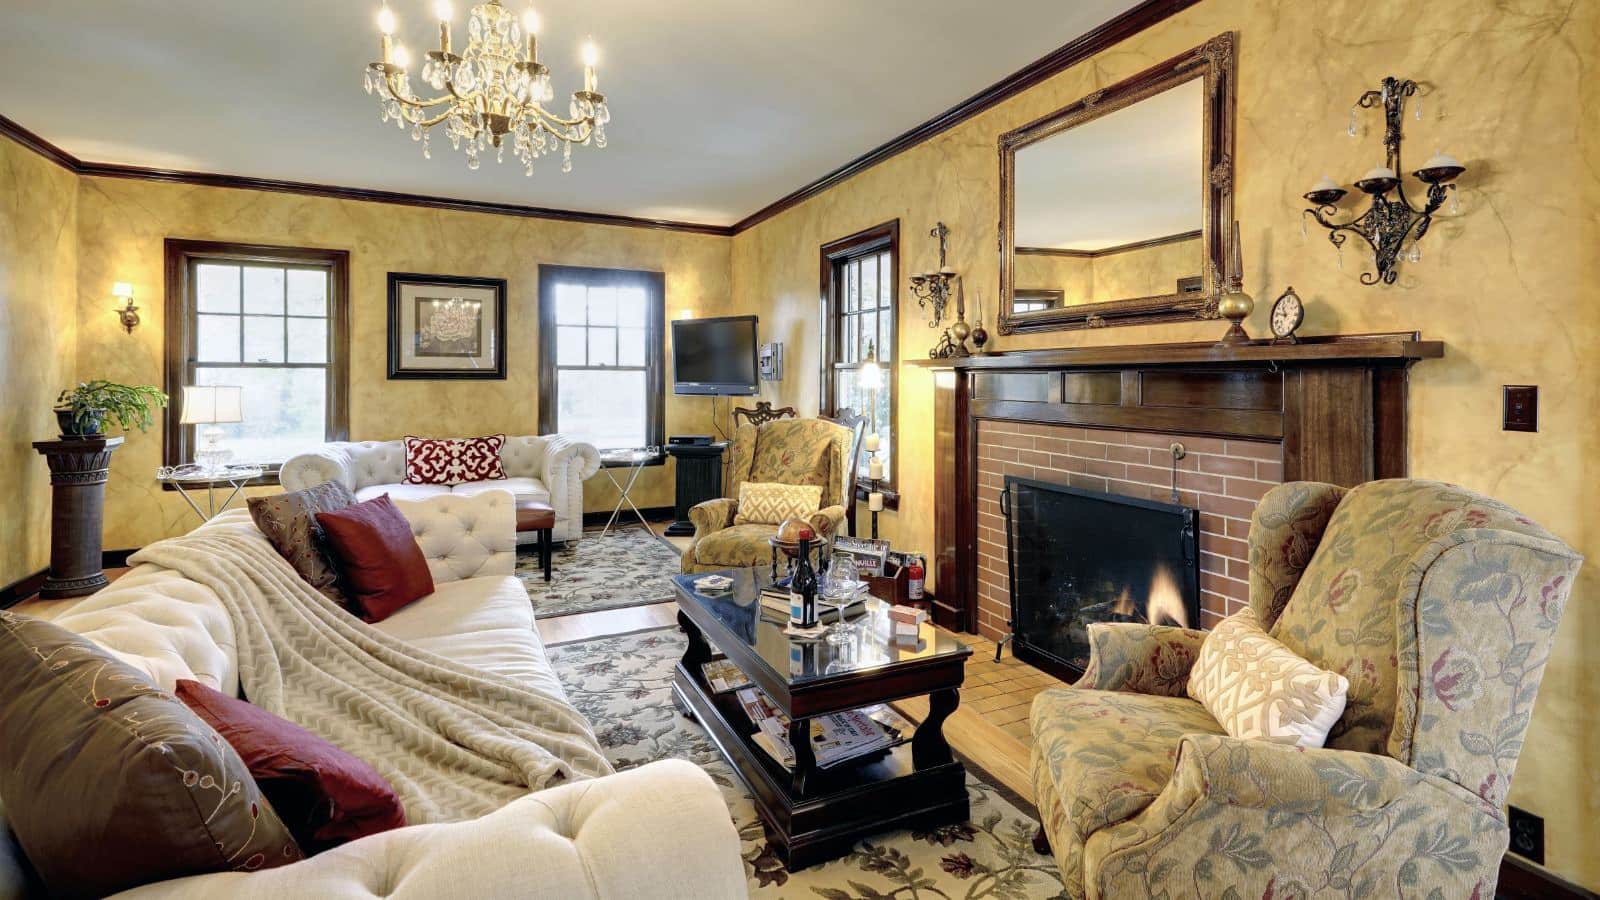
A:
<point x="838" y="591"/>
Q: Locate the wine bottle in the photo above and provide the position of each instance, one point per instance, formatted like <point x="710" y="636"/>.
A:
<point x="803" y="589"/>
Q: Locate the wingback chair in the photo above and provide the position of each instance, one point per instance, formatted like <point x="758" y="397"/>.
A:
<point x="1438" y="605"/>
<point x="788" y="451"/>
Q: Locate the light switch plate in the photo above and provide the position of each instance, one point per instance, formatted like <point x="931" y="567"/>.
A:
<point x="1521" y="407"/>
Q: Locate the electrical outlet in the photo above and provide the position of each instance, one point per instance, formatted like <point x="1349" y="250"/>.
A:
<point x="1527" y="834"/>
<point x="1521" y="411"/>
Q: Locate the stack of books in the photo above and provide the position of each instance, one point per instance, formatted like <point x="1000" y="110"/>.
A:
<point x="835" y="739"/>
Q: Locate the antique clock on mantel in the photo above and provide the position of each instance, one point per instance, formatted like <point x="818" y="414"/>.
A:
<point x="1287" y="313"/>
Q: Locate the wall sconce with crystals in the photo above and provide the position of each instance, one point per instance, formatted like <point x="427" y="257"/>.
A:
<point x="1389" y="223"/>
<point x="127" y="312"/>
<point x="932" y="289"/>
<point x="492" y="93"/>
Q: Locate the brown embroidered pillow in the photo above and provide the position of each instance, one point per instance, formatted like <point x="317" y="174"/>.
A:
<point x="290" y="522"/>
<point x="111" y="782"/>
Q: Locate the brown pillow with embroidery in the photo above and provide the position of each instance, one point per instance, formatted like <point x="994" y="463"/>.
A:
<point x="111" y="782"/>
<point x="290" y="522"/>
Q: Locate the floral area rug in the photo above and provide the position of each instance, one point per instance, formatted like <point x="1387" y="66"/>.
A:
<point x="628" y="567"/>
<point x="623" y="685"/>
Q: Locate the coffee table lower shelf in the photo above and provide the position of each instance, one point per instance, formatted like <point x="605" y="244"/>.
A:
<point x="837" y="806"/>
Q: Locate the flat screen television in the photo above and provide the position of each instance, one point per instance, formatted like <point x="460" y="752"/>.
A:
<point x="714" y="356"/>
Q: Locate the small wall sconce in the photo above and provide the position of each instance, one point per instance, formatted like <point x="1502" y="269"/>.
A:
<point x="128" y="313"/>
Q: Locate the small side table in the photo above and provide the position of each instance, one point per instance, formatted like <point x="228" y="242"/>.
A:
<point x="699" y="479"/>
<point x="78" y="471"/>
<point x="186" y="478"/>
<point x="632" y="462"/>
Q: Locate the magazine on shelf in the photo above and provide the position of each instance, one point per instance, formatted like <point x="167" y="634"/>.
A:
<point x="835" y="739"/>
<point x="723" y="676"/>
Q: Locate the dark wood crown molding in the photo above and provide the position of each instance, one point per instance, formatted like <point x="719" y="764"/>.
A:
<point x="1145" y="244"/>
<point x="1086" y="45"/>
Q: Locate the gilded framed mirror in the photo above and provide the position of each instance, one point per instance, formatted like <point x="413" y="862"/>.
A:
<point x="1117" y="209"/>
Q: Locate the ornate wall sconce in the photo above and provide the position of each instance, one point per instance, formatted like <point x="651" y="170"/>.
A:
<point x="932" y="289"/>
<point x="1388" y="223"/>
<point x="128" y="313"/>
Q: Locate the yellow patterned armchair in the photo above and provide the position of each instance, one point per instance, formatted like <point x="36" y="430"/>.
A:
<point x="1438" y="605"/>
<point x="787" y="451"/>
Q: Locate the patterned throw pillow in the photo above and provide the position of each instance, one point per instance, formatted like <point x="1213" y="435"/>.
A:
<point x="1257" y="688"/>
<point x="770" y="503"/>
<point x="290" y="522"/>
<point x="453" y="461"/>
<point x="111" y="782"/>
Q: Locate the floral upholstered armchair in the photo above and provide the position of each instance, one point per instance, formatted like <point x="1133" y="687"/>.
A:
<point x="1437" y="604"/>
<point x="787" y="451"/>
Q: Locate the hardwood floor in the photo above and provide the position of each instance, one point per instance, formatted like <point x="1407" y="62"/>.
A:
<point x="990" y="728"/>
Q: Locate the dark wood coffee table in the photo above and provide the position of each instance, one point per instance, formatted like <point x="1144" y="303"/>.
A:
<point x="818" y="814"/>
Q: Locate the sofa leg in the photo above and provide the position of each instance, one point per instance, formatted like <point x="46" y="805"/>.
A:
<point x="1041" y="842"/>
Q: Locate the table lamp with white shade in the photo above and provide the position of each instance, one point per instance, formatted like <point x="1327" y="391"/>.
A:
<point x="211" y="405"/>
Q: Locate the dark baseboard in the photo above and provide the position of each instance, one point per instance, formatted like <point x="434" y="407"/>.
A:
<point x="626" y="517"/>
<point x="28" y="585"/>
<point x="1523" y="880"/>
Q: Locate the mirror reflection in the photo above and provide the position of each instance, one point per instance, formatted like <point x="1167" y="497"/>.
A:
<point x="1112" y="208"/>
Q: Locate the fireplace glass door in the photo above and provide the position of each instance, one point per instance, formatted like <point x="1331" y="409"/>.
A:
<point x="1077" y="557"/>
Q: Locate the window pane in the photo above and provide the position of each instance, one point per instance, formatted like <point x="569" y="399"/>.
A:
<point x="885" y="335"/>
<point x="849" y="337"/>
<point x="852" y="285"/>
<point x="263" y="291"/>
<point x="263" y="338"/>
<point x="602" y="306"/>
<point x="570" y="347"/>
<point x="631" y="308"/>
<point x="603" y="344"/>
<point x="844" y="392"/>
<point x="631" y="346"/>
<point x="217" y="338"/>
<point x="571" y="308"/>
<point x="216" y="288"/>
<point x="606" y="409"/>
<point x="885" y="282"/>
<point x="308" y="340"/>
<point x="869" y="333"/>
<point x="869" y="282"/>
<point x="308" y="292"/>
<point x="285" y="411"/>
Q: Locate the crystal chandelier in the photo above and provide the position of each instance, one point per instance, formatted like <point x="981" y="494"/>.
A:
<point x="493" y="92"/>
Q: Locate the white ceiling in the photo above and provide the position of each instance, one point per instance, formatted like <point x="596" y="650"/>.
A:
<point x="1127" y="176"/>
<point x="719" y="106"/>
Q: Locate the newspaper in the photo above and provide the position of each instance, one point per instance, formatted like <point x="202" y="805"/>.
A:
<point x="836" y="738"/>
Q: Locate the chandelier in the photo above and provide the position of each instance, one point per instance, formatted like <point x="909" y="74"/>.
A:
<point x="493" y="93"/>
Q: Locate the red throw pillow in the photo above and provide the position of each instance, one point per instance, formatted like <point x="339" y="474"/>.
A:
<point x="324" y="795"/>
<point x="381" y="561"/>
<point x="451" y="461"/>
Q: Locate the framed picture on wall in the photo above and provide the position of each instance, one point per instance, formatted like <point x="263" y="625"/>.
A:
<point x="445" y="327"/>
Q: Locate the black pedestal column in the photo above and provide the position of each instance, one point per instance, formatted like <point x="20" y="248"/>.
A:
<point x="78" y="470"/>
<point x="699" y="480"/>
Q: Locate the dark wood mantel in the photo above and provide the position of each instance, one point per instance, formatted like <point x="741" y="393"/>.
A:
<point x="1336" y="405"/>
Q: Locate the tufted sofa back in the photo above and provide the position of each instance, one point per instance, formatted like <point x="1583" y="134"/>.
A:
<point x="362" y="464"/>
<point x="1437" y="603"/>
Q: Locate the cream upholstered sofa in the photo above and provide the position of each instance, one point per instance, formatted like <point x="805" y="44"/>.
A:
<point x="658" y="831"/>
<point x="548" y="468"/>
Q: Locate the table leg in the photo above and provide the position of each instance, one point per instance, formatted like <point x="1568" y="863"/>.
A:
<point x="544" y="551"/>
<point x="928" y="746"/>
<point x="695" y="655"/>
<point x="805" y="760"/>
<point x="190" y="500"/>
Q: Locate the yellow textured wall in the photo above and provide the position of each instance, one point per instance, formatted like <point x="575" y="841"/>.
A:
<point x="1509" y="284"/>
<point x="1146" y="272"/>
<point x="38" y="342"/>
<point x="121" y="227"/>
<point x="1072" y="275"/>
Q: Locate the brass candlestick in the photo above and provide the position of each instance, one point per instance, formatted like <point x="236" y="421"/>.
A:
<point x="1235" y="305"/>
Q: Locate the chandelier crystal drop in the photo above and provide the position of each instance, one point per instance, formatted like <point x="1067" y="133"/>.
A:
<point x="490" y="95"/>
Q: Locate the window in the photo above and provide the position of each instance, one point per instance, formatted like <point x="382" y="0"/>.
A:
<point x="600" y="355"/>
<point x="860" y="275"/>
<point x="273" y="320"/>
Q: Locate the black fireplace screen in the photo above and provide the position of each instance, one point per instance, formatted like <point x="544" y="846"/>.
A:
<point x="1078" y="557"/>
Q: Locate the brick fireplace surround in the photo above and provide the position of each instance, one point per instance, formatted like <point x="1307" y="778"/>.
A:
<point x="1221" y="478"/>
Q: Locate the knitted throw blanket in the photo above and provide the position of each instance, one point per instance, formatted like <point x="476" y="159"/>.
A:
<point x="454" y="741"/>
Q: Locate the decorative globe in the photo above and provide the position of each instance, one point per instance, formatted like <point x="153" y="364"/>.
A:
<point x="793" y="531"/>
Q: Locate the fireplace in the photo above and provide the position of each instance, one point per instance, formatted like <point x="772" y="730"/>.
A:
<point x="1077" y="556"/>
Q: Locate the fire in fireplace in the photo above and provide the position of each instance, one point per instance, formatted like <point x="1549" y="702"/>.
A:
<point x="1077" y="557"/>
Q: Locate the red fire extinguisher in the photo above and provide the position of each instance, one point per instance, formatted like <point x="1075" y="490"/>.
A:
<point x="915" y="574"/>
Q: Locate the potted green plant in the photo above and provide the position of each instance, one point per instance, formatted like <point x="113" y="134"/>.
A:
<point x="84" y="410"/>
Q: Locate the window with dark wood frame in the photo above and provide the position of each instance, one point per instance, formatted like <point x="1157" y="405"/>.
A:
<point x="860" y="309"/>
<point x="601" y="355"/>
<point x="275" y="320"/>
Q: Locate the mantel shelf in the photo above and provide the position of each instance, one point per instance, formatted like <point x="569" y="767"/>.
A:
<point x="1398" y="347"/>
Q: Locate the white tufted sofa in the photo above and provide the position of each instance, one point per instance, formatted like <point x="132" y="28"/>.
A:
<point x="658" y="831"/>
<point x="549" y="468"/>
